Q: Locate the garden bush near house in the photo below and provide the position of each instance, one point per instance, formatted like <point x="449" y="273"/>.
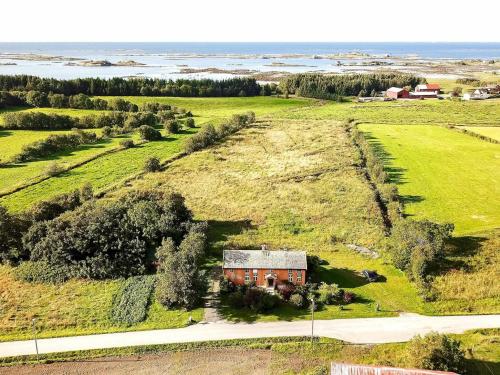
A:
<point x="330" y="294"/>
<point x="131" y="301"/>
<point x="152" y="165"/>
<point x="298" y="301"/>
<point x="435" y="352"/>
<point x="286" y="290"/>
<point x="149" y="133"/>
<point x="226" y="286"/>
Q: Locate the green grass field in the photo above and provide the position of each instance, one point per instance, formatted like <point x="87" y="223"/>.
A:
<point x="442" y="175"/>
<point x="75" y="307"/>
<point x="292" y="184"/>
<point x="488" y="131"/>
<point x="480" y="112"/>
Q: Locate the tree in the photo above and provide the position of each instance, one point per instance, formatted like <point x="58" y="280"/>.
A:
<point x="36" y="98"/>
<point x="435" y="352"/>
<point x="149" y="133"/>
<point x="10" y="242"/>
<point x="180" y="282"/>
<point x="152" y="165"/>
<point x="190" y="122"/>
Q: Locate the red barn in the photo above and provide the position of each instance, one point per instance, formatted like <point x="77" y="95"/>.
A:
<point x="429" y="87"/>
<point x="265" y="268"/>
<point x="396" y="93"/>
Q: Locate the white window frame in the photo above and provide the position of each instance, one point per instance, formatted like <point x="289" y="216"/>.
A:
<point x="290" y="275"/>
<point x="247" y="275"/>
<point x="299" y="276"/>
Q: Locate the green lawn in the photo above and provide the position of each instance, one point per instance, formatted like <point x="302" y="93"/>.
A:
<point x="442" y="175"/>
<point x="488" y="131"/>
<point x="479" y="112"/>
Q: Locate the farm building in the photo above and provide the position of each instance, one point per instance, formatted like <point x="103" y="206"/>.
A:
<point x="397" y="93"/>
<point x="429" y="87"/>
<point x="478" y="94"/>
<point x="348" y="369"/>
<point x="423" y="94"/>
<point x="265" y="268"/>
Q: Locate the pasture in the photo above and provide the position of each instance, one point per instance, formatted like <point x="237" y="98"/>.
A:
<point x="441" y="174"/>
<point x="443" y="112"/>
<point x="292" y="184"/>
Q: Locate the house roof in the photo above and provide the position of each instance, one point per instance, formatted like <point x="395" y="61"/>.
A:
<point x="429" y="86"/>
<point x="278" y="259"/>
<point x="395" y="89"/>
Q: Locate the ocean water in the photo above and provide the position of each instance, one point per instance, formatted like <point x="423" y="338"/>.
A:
<point x="170" y="60"/>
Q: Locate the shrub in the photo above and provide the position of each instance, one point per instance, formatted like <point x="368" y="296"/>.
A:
<point x="40" y="272"/>
<point x="330" y="294"/>
<point x="11" y="226"/>
<point x="131" y="301"/>
<point x="172" y="126"/>
<point x="226" y="286"/>
<point x="298" y="301"/>
<point x="286" y="289"/>
<point x="236" y="300"/>
<point x="127" y="143"/>
<point x="415" y="246"/>
<point x="435" y="352"/>
<point x="53" y="169"/>
<point x="165" y="115"/>
<point x="190" y="122"/>
<point x="152" y="165"/>
<point x="107" y="131"/>
<point x="149" y="133"/>
<point x="348" y="297"/>
<point x="259" y="300"/>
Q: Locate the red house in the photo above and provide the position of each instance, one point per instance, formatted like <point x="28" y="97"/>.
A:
<point x="429" y="87"/>
<point x="397" y="93"/>
<point x="265" y="268"/>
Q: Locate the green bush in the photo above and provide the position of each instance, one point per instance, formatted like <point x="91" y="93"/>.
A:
<point x="190" y="122"/>
<point x="172" y="126"/>
<point x="330" y="294"/>
<point x="149" y="133"/>
<point x="298" y="301"/>
<point x="435" y="352"/>
<point x="131" y="301"/>
<point x="236" y="300"/>
<point x="226" y="286"/>
<point x="40" y="272"/>
<point x="152" y="165"/>
<point x="127" y="143"/>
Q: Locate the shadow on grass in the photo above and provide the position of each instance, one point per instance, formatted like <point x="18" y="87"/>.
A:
<point x="5" y="133"/>
<point x="343" y="277"/>
<point x="458" y="250"/>
<point x="480" y="367"/>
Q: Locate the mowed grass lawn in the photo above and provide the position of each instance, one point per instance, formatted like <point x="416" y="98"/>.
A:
<point x="71" y="308"/>
<point x="292" y="184"/>
<point x="443" y="175"/>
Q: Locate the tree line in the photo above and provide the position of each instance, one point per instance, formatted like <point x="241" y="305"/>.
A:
<point x="134" y="86"/>
<point x="333" y="87"/>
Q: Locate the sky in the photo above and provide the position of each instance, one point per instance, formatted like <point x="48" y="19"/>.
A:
<point x="249" y="21"/>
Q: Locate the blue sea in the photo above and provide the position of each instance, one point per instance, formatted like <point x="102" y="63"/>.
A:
<point x="183" y="60"/>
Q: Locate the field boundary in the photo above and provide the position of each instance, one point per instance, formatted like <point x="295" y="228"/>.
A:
<point x="474" y="134"/>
